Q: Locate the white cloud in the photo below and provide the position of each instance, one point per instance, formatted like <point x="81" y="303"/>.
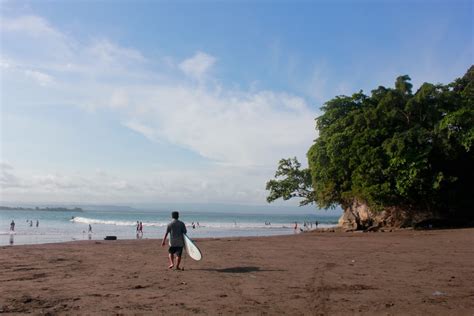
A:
<point x="40" y="77"/>
<point x="110" y="53"/>
<point x="7" y="177"/>
<point x="5" y="166"/>
<point x="231" y="128"/>
<point x="29" y="24"/>
<point x="198" y="66"/>
<point x="140" y="128"/>
<point x="242" y="133"/>
<point x="119" y="99"/>
<point x="216" y="184"/>
<point x="317" y="85"/>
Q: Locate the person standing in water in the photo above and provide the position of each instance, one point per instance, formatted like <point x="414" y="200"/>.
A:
<point x="176" y="229"/>
<point x="12" y="226"/>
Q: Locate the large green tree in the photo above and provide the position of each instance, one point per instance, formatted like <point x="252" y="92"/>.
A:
<point x="391" y="148"/>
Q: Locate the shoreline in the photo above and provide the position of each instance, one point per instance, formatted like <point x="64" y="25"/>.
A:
<point x="406" y="272"/>
<point x="41" y="239"/>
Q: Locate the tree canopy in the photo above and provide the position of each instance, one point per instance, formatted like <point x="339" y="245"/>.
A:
<point x="390" y="148"/>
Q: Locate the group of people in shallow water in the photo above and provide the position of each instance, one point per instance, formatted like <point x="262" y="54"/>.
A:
<point x="139" y="230"/>
<point x="29" y="221"/>
<point x="307" y="225"/>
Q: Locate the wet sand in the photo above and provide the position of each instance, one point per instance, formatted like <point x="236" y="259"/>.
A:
<point x="398" y="273"/>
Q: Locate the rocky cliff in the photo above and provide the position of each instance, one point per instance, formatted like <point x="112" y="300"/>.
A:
<point x="359" y="216"/>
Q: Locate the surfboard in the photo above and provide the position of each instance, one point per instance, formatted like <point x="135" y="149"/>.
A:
<point x="192" y="249"/>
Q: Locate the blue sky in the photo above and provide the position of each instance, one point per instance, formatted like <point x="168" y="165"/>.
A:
<point x="159" y="101"/>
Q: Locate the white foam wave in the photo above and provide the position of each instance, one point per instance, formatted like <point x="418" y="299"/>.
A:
<point x="85" y="220"/>
<point x="207" y="225"/>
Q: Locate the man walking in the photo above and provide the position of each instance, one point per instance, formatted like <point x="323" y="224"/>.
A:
<point x="176" y="229"/>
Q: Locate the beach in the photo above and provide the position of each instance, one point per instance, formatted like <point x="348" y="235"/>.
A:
<point x="62" y="226"/>
<point x="404" y="272"/>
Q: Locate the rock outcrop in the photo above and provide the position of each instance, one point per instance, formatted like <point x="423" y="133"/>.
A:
<point x="359" y="216"/>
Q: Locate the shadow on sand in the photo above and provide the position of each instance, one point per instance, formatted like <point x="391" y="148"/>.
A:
<point x="239" y="270"/>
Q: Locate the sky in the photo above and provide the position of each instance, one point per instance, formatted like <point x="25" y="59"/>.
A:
<point x="122" y="102"/>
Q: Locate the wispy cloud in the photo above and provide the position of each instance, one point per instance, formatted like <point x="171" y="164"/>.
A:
<point x="29" y="24"/>
<point x="241" y="133"/>
<point x="160" y="184"/>
<point x="42" y="78"/>
<point x="198" y="66"/>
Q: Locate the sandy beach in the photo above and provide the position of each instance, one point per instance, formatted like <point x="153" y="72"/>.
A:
<point x="398" y="273"/>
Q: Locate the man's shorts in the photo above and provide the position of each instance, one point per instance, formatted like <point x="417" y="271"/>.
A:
<point x="176" y="250"/>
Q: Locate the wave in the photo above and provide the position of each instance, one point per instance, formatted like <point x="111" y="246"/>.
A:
<point x="85" y="220"/>
<point x="208" y="225"/>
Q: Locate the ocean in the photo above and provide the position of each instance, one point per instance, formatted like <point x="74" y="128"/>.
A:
<point x="61" y="226"/>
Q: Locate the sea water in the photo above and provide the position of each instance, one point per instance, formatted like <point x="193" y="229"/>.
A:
<point x="60" y="226"/>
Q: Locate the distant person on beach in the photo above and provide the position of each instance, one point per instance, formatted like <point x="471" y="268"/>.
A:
<point x="12" y="226"/>
<point x="316" y="223"/>
<point x="176" y="229"/>
<point x="31" y="223"/>
<point x="90" y="228"/>
<point x="37" y="223"/>
<point x="296" y="225"/>
<point x="140" y="228"/>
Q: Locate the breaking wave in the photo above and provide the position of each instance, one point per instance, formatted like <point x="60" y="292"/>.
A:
<point x="212" y="225"/>
<point x="85" y="220"/>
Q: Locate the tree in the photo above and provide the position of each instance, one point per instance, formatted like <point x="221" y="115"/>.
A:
<point x="390" y="149"/>
<point x="291" y="182"/>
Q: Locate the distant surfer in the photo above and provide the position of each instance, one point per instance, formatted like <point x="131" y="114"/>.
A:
<point x="176" y="229"/>
<point x="12" y="226"/>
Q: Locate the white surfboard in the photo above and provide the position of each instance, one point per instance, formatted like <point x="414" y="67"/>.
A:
<point x="192" y="249"/>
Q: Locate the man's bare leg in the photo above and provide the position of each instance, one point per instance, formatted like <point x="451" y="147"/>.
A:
<point x="178" y="261"/>
<point x="171" y="258"/>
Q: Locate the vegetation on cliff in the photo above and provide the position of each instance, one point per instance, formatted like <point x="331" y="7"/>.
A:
<point x="393" y="148"/>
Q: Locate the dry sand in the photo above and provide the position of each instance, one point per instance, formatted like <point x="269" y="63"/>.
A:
<point x="398" y="273"/>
